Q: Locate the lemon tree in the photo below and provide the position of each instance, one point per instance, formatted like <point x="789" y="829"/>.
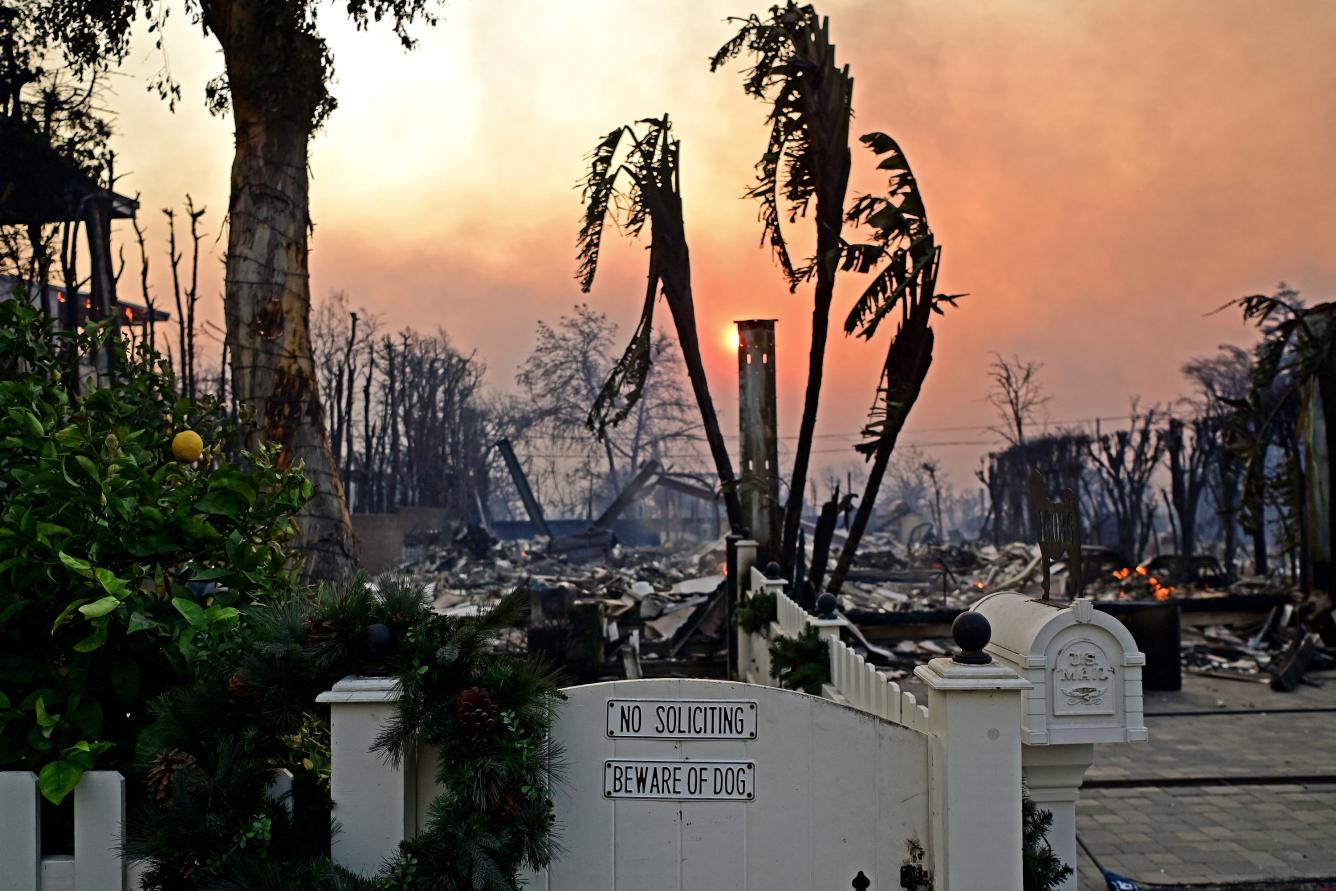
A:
<point x="125" y="560"/>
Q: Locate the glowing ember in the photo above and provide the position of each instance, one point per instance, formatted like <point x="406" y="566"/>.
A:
<point x="1158" y="590"/>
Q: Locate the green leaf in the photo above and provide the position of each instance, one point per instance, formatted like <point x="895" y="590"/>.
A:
<point x="191" y="610"/>
<point x="58" y="779"/>
<point x="100" y="607"/>
<point x="109" y="582"/>
<point x="231" y="480"/>
<point x="139" y="622"/>
<point x="67" y="613"/>
<point x="89" y="467"/>
<point x="197" y="529"/>
<point x="47" y="531"/>
<point x="222" y="503"/>
<point x="46" y="720"/>
<point x="4" y="700"/>
<point x="28" y="421"/>
<point x="95" y="640"/>
<point x="74" y="564"/>
<point x="151" y="515"/>
<point x="221" y="613"/>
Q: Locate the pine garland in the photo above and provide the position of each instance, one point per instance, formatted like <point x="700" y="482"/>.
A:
<point x="207" y="821"/>
<point x="493" y="714"/>
<point x="757" y="612"/>
<point x="802" y="662"/>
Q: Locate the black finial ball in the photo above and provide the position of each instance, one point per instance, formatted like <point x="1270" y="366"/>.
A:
<point x="825" y="605"/>
<point x="773" y="570"/>
<point x="971" y="633"/>
<point x="376" y="645"/>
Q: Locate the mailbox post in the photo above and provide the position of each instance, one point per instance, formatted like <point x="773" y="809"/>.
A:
<point x="1085" y="672"/>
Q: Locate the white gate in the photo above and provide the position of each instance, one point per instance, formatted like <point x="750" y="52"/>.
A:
<point x="697" y="785"/>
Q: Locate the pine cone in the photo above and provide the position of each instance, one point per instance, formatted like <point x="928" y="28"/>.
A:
<point x="319" y="631"/>
<point x="400" y="622"/>
<point x="237" y="687"/>
<point x="509" y="805"/>
<point x="475" y="712"/>
<point x="161" y="773"/>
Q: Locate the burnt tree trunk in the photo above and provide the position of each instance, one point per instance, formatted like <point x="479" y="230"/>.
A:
<point x="831" y="109"/>
<point x="1257" y="472"/>
<point x="907" y="364"/>
<point x="276" y="73"/>
<point x="670" y="237"/>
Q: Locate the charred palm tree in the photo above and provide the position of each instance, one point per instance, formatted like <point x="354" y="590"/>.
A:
<point x="641" y="189"/>
<point x="904" y="249"/>
<point x="806" y="159"/>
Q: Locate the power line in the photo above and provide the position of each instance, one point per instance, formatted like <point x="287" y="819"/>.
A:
<point x="844" y="451"/>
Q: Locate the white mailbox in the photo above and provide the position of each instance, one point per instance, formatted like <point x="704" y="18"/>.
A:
<point x="1084" y="665"/>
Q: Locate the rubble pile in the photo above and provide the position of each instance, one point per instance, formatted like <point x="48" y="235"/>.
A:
<point x="625" y="605"/>
<point x="625" y="612"/>
<point x="1281" y="650"/>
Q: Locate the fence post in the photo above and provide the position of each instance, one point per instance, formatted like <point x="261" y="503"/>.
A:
<point x="20" y="829"/>
<point x="746" y="551"/>
<point x="974" y="764"/>
<point x="99" y="820"/>
<point x="374" y="800"/>
<point x="1053" y="776"/>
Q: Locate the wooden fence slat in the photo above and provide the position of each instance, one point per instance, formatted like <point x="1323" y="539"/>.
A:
<point x="20" y="832"/>
<point x="99" y="818"/>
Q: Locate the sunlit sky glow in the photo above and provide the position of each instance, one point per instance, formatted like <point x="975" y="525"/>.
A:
<point x="1101" y="175"/>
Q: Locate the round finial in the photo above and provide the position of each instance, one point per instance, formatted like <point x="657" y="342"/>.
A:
<point x="376" y="645"/>
<point x="773" y="570"/>
<point x="971" y="633"/>
<point x="825" y="605"/>
<point x="862" y="882"/>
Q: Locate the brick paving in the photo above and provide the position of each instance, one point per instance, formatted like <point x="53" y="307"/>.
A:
<point x="1234" y="797"/>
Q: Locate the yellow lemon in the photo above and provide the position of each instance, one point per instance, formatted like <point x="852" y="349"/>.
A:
<point x="187" y="446"/>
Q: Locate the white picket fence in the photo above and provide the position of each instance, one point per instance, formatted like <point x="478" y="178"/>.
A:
<point x="853" y="680"/>
<point x="99" y="819"/>
<point x="99" y="826"/>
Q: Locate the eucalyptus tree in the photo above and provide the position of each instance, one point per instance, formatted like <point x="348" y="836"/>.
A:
<point x="643" y="183"/>
<point x="277" y="69"/>
<point x="806" y="160"/>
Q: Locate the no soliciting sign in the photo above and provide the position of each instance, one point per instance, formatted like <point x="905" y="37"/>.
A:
<point x="682" y="719"/>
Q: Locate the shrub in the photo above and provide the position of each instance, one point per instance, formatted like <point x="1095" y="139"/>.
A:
<point x="209" y="822"/>
<point x="1042" y="870"/>
<point x="757" y="612"/>
<point x="802" y="662"/>
<point x="122" y="570"/>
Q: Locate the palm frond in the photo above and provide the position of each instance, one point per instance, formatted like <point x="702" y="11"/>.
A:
<point x="794" y="68"/>
<point x="899" y="224"/>
<point x="907" y="362"/>
<point x="626" y="382"/>
<point x="599" y="187"/>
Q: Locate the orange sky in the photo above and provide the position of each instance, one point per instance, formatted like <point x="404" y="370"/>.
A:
<point x="1101" y="176"/>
